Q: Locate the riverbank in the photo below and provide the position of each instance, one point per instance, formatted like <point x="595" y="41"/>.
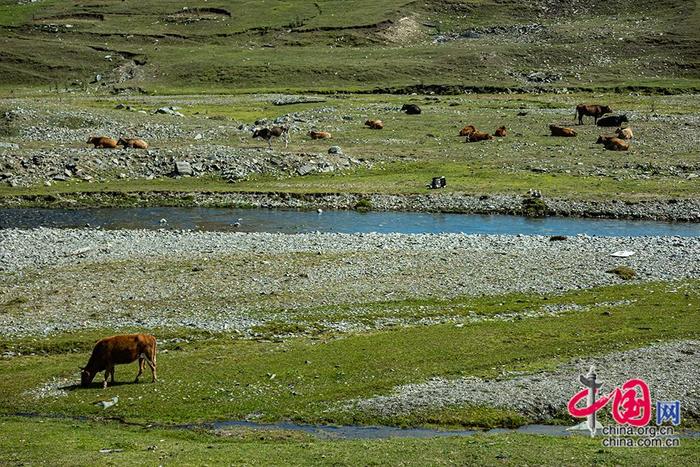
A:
<point x="673" y="210"/>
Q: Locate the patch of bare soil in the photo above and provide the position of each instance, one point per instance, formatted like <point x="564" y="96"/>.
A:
<point x="405" y="31"/>
<point x="193" y="15"/>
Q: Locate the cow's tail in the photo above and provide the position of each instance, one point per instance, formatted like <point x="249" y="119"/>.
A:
<point x="575" y="113"/>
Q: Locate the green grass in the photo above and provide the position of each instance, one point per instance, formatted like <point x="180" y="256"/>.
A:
<point x="64" y="442"/>
<point x="299" y="45"/>
<point x="217" y="376"/>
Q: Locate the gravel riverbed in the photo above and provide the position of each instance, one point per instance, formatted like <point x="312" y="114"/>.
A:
<point x="670" y="369"/>
<point x="55" y="280"/>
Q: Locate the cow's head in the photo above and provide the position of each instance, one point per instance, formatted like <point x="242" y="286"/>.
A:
<point x="121" y="142"/>
<point x="623" y="118"/>
<point x="606" y="109"/>
<point x="256" y="132"/>
<point x="91" y="139"/>
<point x="86" y="377"/>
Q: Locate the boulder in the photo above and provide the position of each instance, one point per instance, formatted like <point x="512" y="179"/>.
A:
<point x="183" y="168"/>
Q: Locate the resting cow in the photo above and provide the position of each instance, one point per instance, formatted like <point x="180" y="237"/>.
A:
<point x="117" y="350"/>
<point x="613" y="120"/>
<point x="275" y="132"/>
<point x="603" y="138"/>
<point x="616" y="144"/>
<point x="478" y="136"/>
<point x="595" y="111"/>
<point x="135" y="143"/>
<point x="319" y="134"/>
<point x="411" y="109"/>
<point x="467" y="130"/>
<point x="103" y="142"/>
<point x="375" y="124"/>
<point x="624" y="133"/>
<point x="561" y="131"/>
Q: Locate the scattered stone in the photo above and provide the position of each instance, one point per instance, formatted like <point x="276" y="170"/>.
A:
<point x="183" y="168"/>
<point x="335" y="150"/>
<point x="306" y="169"/>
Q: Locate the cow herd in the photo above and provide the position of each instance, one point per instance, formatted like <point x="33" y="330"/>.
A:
<point x="617" y="142"/>
<point x="111" y="143"/>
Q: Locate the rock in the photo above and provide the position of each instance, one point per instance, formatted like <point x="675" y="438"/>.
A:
<point x="305" y="169"/>
<point x="120" y="106"/>
<point x="335" y="150"/>
<point x="4" y="145"/>
<point x="122" y="175"/>
<point x="198" y="136"/>
<point x="183" y="168"/>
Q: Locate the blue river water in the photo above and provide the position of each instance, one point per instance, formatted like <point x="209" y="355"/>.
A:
<point x="292" y="221"/>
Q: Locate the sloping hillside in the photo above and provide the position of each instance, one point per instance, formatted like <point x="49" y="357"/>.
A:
<point x="174" y="46"/>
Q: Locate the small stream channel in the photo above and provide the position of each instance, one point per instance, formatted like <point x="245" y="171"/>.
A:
<point x="292" y="221"/>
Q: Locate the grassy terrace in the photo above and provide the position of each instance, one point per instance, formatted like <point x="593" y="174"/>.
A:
<point x="412" y="149"/>
<point x="216" y="376"/>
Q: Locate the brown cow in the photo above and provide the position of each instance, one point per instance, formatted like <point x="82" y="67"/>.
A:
<point x="478" y="136"/>
<point x="467" y="130"/>
<point x="624" y="133"/>
<point x="135" y="143"/>
<point x="500" y="132"/>
<point x="595" y="111"/>
<point x="603" y="138"/>
<point x="375" y="124"/>
<point x="319" y="134"/>
<point x="118" y="350"/>
<point x="616" y="144"/>
<point x="561" y="131"/>
<point x="102" y="142"/>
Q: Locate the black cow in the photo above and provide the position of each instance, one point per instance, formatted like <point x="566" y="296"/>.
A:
<point x="411" y="109"/>
<point x="612" y="120"/>
<point x="275" y="132"/>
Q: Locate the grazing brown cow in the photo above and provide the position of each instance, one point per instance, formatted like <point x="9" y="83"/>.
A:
<point x="624" y="133"/>
<point x="616" y="144"/>
<point x="275" y="132"/>
<point x="467" y="130"/>
<point x="102" y="142"/>
<point x="500" y="132"/>
<point x="375" y="124"/>
<point x="561" y="131"/>
<point x="118" y="350"/>
<point x="135" y="143"/>
<point x="319" y="134"/>
<point x="595" y="111"/>
<point x="478" y="136"/>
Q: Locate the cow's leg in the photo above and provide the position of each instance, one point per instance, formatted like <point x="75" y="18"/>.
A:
<point x="104" y="383"/>
<point x="142" y="362"/>
<point x="152" y="366"/>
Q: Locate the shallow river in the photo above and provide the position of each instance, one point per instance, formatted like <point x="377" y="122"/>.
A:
<point x="291" y="221"/>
